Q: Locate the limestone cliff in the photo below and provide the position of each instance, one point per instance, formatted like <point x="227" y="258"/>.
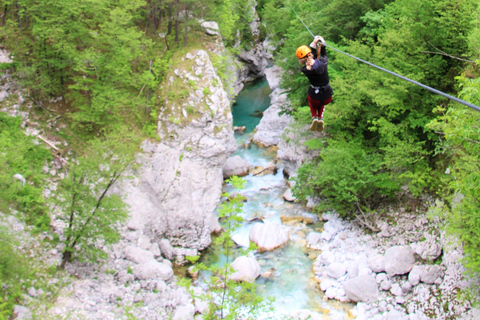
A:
<point x="178" y="185"/>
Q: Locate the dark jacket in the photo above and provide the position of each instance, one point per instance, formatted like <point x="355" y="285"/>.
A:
<point x="318" y="76"/>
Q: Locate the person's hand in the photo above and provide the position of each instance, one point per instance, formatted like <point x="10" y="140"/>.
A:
<point x="319" y="39"/>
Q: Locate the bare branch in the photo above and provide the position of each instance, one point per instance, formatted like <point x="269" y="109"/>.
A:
<point x="440" y="52"/>
<point x="364" y="221"/>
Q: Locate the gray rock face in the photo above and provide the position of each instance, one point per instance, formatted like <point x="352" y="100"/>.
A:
<point x="268" y="236"/>
<point x="178" y="185"/>
<point x="246" y="269"/>
<point x="236" y="166"/>
<point x="271" y="126"/>
<point x="153" y="270"/>
<point x="137" y="255"/>
<point x="399" y="260"/>
<point x="362" y="288"/>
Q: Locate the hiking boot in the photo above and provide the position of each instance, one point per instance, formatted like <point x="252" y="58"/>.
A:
<point x="314" y="125"/>
<point x="320" y="125"/>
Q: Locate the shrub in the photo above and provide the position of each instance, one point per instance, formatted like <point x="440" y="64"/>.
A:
<point x="347" y="176"/>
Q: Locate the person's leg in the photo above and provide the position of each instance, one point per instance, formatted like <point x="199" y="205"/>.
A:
<point x="313" y="104"/>
<point x="321" y="110"/>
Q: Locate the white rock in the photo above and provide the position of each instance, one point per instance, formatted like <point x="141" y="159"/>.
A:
<point x="313" y="238"/>
<point x="32" y="292"/>
<point x="155" y="250"/>
<point x="396" y="290"/>
<point x="396" y="315"/>
<point x="268" y="236"/>
<point x="326" y="283"/>
<point x="137" y="255"/>
<point x="352" y="269"/>
<point x="288" y="195"/>
<point x="22" y="313"/>
<point x="429" y="249"/>
<point x="361" y="288"/>
<point x="153" y="270"/>
<point x="144" y="242"/>
<point x="380" y="277"/>
<point x="336" y="270"/>
<point x="20" y="178"/>
<point x="385" y="285"/>
<point x="326" y="257"/>
<point x="236" y="166"/>
<point x="415" y="275"/>
<point x="377" y="263"/>
<point x="431" y="273"/>
<point x="398" y="260"/>
<point x="246" y="269"/>
<point x="211" y="28"/>
<point x="166" y="249"/>
<point x="407" y="287"/>
<point x="184" y="312"/>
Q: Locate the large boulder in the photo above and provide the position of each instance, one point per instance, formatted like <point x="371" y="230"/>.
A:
<point x="336" y="270"/>
<point x="153" y="270"/>
<point x="362" y="288"/>
<point x="184" y="312"/>
<point x="166" y="249"/>
<point x="268" y="236"/>
<point x="426" y="274"/>
<point x="399" y="260"/>
<point x="178" y="183"/>
<point x="246" y="269"/>
<point x="211" y="28"/>
<point x="137" y="255"/>
<point x="236" y="166"/>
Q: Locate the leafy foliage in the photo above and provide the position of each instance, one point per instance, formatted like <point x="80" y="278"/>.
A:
<point x="12" y="269"/>
<point x="20" y="156"/>
<point x="227" y="298"/>
<point x="347" y="175"/>
<point x="90" y="209"/>
<point x="383" y="117"/>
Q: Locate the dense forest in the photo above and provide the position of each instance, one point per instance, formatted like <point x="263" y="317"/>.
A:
<point x="385" y="135"/>
<point x="388" y="140"/>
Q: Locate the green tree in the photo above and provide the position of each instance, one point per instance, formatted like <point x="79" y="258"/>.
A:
<point x="229" y="299"/>
<point x="91" y="211"/>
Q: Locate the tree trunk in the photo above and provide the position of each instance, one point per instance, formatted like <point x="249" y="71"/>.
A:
<point x="186" y="27"/>
<point x="5" y="15"/>
<point x="177" y="21"/>
<point x="67" y="256"/>
<point x="170" y="9"/>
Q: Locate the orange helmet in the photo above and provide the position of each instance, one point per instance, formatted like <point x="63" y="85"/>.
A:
<point x="302" y="52"/>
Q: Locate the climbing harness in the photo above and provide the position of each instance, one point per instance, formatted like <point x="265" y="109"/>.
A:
<point x="318" y="89"/>
<point x="470" y="105"/>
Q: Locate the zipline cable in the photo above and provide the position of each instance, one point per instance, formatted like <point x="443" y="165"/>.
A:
<point x="393" y="73"/>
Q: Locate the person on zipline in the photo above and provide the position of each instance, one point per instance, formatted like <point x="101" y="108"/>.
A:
<point x="315" y="69"/>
